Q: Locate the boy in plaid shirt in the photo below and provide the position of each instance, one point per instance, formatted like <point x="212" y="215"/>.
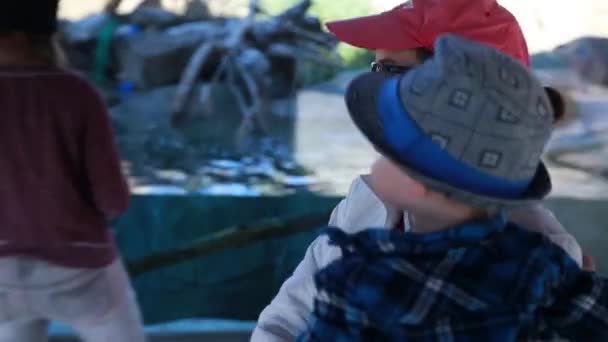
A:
<point x="462" y="137"/>
<point x="400" y="39"/>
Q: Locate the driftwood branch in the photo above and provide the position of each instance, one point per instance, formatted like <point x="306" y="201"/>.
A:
<point x="295" y="12"/>
<point x="112" y="6"/>
<point x="307" y="35"/>
<point x="556" y="157"/>
<point x="208" y="91"/>
<point x="199" y="58"/>
<point x="286" y="50"/>
<point x="190" y="75"/>
<point x="252" y="88"/>
<point x="232" y="86"/>
<point x="253" y="9"/>
<point x="255" y="95"/>
<point x="229" y="238"/>
<point x="231" y="46"/>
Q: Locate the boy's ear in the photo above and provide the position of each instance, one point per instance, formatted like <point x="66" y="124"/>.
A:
<point x="558" y="103"/>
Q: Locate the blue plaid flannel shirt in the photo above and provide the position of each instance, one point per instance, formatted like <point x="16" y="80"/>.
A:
<point x="485" y="281"/>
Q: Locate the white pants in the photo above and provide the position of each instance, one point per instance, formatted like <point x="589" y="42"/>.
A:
<point x="99" y="304"/>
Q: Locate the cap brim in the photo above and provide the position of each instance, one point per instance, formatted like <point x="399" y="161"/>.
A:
<point x="362" y="98"/>
<point x="377" y="32"/>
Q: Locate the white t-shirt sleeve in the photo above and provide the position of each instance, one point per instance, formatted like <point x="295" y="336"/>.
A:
<point x="540" y="219"/>
<point x="287" y="315"/>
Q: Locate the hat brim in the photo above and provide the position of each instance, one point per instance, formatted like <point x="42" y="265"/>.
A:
<point x="377" y="32"/>
<point x="362" y="99"/>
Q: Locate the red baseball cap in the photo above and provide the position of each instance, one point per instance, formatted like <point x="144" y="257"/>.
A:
<point x="418" y="23"/>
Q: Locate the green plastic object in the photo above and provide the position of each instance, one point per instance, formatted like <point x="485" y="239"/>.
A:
<point x="103" y="51"/>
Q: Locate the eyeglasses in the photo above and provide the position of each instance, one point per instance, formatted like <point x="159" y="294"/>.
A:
<point x="389" y="68"/>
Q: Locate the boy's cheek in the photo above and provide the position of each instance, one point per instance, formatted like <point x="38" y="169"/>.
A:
<point x="393" y="186"/>
<point x="386" y="183"/>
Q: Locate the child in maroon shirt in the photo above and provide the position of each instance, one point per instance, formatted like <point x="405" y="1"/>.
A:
<point x="60" y="182"/>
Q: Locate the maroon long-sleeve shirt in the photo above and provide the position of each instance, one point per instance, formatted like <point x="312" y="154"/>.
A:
<point x="60" y="176"/>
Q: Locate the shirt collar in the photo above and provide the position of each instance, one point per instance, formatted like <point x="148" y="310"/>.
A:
<point x="375" y="242"/>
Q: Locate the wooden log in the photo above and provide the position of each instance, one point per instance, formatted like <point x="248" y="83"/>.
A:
<point x="233" y="237"/>
<point x="192" y="71"/>
<point x="112" y="6"/>
<point x="557" y="158"/>
<point x="189" y="79"/>
<point x="231" y="45"/>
